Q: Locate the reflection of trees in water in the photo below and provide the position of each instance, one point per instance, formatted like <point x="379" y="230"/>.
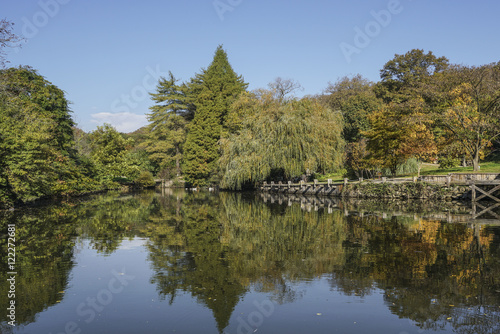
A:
<point x="107" y="219"/>
<point x="45" y="240"/>
<point x="44" y="259"/>
<point x="218" y="247"/>
<point x="423" y="265"/>
<point x="187" y="255"/>
<point x="434" y="273"/>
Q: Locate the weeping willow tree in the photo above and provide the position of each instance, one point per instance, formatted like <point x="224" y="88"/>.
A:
<point x="270" y="134"/>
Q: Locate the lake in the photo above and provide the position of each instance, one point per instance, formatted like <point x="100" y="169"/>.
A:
<point x="201" y="262"/>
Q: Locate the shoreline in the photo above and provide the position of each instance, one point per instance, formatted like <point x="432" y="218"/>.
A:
<point x="371" y="190"/>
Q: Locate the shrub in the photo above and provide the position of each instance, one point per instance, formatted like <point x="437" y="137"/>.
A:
<point x="448" y="162"/>
<point x="145" y="179"/>
<point x="410" y="166"/>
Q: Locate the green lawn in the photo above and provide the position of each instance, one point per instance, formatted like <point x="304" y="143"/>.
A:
<point x="336" y="177"/>
<point x="428" y="169"/>
<point x="486" y="167"/>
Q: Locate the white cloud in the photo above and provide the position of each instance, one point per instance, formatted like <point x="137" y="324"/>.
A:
<point x="122" y="121"/>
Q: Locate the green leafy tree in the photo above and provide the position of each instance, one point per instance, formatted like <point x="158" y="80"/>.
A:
<point x="275" y="136"/>
<point x="28" y="154"/>
<point x="24" y="87"/>
<point x="110" y="153"/>
<point x="36" y="145"/>
<point x="408" y="75"/>
<point x="355" y="98"/>
<point x="215" y="90"/>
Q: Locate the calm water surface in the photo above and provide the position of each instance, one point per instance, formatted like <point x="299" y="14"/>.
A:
<point x="231" y="263"/>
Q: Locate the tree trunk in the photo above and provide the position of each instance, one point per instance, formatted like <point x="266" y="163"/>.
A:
<point x="394" y="170"/>
<point x="464" y="161"/>
<point x="475" y="161"/>
<point x="178" y="160"/>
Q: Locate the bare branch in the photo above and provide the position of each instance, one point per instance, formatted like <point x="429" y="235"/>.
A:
<point x="282" y="87"/>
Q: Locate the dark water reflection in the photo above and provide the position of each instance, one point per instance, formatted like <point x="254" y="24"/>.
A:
<point x="242" y="263"/>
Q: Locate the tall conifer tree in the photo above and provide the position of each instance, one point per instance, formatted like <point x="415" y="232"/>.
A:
<point x="220" y="86"/>
<point x="168" y="118"/>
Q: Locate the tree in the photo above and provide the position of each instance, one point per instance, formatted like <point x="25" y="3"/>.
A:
<point x="406" y="76"/>
<point x="355" y="98"/>
<point x="357" y="160"/>
<point x="395" y="137"/>
<point x="36" y="140"/>
<point x="23" y="86"/>
<point x="403" y="128"/>
<point x="384" y="138"/>
<point x="283" y="87"/>
<point x="471" y="112"/>
<point x="110" y="154"/>
<point x="418" y="141"/>
<point x="28" y="160"/>
<point x="7" y="39"/>
<point x="279" y="137"/>
<point x="168" y="119"/>
<point x="217" y="88"/>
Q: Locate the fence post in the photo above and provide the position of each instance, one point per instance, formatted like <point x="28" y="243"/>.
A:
<point x="448" y="180"/>
<point x="384" y="179"/>
<point x="345" y="181"/>
<point x="329" y="182"/>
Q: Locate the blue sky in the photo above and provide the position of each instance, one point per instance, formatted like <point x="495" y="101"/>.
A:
<point x="106" y="55"/>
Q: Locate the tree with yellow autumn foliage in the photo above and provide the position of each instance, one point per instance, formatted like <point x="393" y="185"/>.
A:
<point x="397" y="135"/>
<point x="471" y="111"/>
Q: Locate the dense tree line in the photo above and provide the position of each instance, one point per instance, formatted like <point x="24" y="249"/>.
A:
<point x="211" y="131"/>
<point x="44" y="155"/>
<point x="423" y="108"/>
<point x="215" y="132"/>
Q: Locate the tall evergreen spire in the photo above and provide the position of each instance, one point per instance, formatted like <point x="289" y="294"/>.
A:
<point x="220" y="86"/>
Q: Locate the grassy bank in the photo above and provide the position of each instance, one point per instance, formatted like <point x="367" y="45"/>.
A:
<point x="428" y="169"/>
<point x="486" y="167"/>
